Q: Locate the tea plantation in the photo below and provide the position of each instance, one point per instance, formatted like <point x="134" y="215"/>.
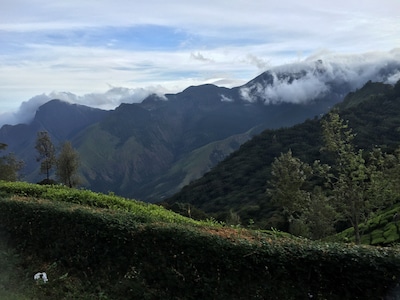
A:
<point x="97" y="246"/>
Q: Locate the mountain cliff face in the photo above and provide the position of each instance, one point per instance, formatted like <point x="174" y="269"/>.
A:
<point x="150" y="150"/>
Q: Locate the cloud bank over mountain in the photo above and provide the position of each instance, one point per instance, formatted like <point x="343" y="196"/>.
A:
<point x="108" y="100"/>
<point x="298" y="82"/>
<point x="312" y="78"/>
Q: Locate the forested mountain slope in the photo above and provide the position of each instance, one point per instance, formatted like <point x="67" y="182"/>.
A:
<point x="239" y="182"/>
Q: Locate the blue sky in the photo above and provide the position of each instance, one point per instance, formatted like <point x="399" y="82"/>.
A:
<point x="99" y="52"/>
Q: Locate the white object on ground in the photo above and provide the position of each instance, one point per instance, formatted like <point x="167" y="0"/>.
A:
<point x="41" y="275"/>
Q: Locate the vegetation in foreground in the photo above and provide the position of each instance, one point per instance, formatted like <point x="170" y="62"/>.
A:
<point x="95" y="246"/>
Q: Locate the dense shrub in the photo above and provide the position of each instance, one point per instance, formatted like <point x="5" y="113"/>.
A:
<point x="116" y="255"/>
<point x="143" y="211"/>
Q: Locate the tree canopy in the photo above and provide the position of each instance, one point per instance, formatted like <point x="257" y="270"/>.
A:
<point x="46" y="153"/>
<point x="10" y="165"/>
<point x="67" y="165"/>
<point x="345" y="190"/>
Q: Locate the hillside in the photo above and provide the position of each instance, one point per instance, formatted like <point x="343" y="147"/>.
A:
<point x="239" y="182"/>
<point x="96" y="246"/>
<point x="150" y="150"/>
<point x="138" y="150"/>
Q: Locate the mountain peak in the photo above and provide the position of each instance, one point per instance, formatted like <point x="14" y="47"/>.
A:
<point x="61" y="117"/>
<point x="153" y="101"/>
<point x="306" y="81"/>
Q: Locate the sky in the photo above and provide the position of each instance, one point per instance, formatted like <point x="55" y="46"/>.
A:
<point x="104" y="52"/>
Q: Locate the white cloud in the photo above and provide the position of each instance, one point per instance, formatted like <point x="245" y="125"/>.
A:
<point x="107" y="100"/>
<point x="394" y="78"/>
<point x="25" y="112"/>
<point x="299" y="91"/>
<point x="114" y="96"/>
<point x="354" y="70"/>
<point x="317" y="72"/>
<point x="226" y="99"/>
<point x="200" y="57"/>
<point x="84" y="46"/>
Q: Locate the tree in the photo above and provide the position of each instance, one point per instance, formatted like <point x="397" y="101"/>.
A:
<point x="305" y="206"/>
<point x="352" y="187"/>
<point x="349" y="178"/>
<point x="9" y="165"/>
<point x="289" y="175"/>
<point x="67" y="165"/>
<point x="320" y="215"/>
<point x="47" y="153"/>
<point x="385" y="187"/>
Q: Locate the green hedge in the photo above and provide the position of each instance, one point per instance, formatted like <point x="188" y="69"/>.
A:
<point x="144" y="211"/>
<point x="127" y="259"/>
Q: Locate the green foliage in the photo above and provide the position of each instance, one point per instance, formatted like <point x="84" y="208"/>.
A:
<point x="349" y="178"/>
<point x="351" y="188"/>
<point x="289" y="174"/>
<point x="286" y="190"/>
<point x="9" y="165"/>
<point x="385" y="177"/>
<point x="364" y="96"/>
<point x="239" y="182"/>
<point x="143" y="212"/>
<point x="67" y="165"/>
<point x="92" y="253"/>
<point x="306" y="207"/>
<point x="320" y="215"/>
<point x="46" y="152"/>
<point x="381" y="230"/>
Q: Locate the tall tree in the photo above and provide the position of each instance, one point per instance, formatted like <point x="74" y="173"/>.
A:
<point x="320" y="215"/>
<point x="384" y="180"/>
<point x="305" y="206"/>
<point x="9" y="165"/>
<point x="47" y="153"/>
<point x="67" y="165"/>
<point x="349" y="178"/>
<point x="289" y="175"/>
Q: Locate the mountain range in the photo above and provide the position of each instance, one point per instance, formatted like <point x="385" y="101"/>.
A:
<point x="150" y="150"/>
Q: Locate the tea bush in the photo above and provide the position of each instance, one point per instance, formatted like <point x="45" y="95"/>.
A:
<point x="92" y="251"/>
<point x="143" y="211"/>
